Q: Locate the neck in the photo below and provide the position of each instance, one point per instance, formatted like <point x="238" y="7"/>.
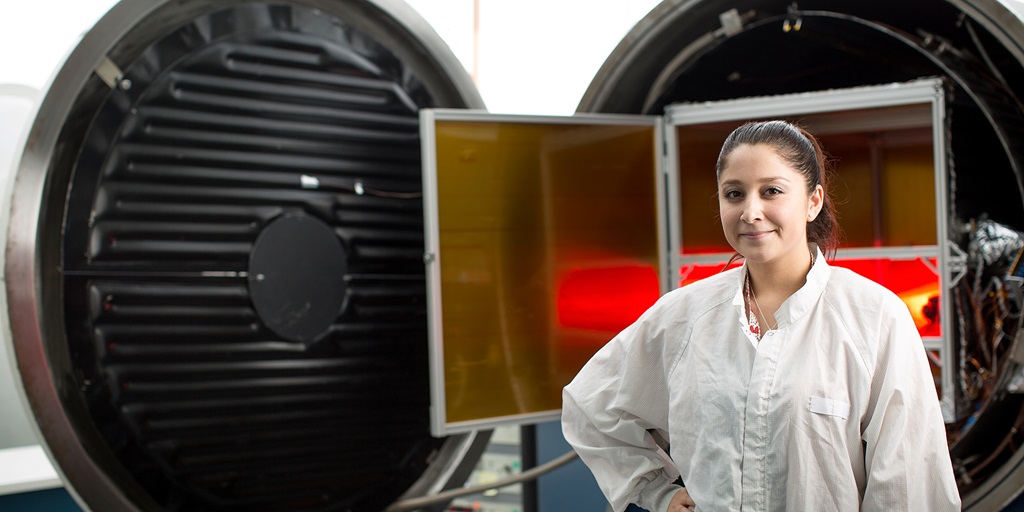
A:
<point x="779" y="279"/>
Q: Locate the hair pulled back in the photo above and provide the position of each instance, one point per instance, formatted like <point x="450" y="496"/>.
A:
<point x="802" y="151"/>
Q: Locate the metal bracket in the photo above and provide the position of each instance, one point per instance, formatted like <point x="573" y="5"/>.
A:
<point x="731" y="21"/>
<point x="956" y="261"/>
<point x="108" y="72"/>
<point x="928" y="263"/>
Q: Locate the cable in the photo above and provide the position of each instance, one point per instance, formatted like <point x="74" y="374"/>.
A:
<point x="415" y="503"/>
<point x="307" y="181"/>
<point x="984" y="54"/>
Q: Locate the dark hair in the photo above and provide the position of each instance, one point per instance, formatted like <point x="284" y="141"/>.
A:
<point x="804" y="153"/>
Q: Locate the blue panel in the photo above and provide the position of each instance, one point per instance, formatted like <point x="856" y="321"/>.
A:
<point x="1016" y="505"/>
<point x="570" y="487"/>
<point x="50" y="500"/>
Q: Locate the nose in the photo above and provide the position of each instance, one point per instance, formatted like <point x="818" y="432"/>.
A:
<point x="752" y="211"/>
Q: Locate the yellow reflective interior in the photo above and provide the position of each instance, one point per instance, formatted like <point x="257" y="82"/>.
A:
<point x="522" y="208"/>
<point x="885" y="191"/>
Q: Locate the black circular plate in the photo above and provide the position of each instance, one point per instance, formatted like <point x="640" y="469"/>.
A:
<point x="297" y="273"/>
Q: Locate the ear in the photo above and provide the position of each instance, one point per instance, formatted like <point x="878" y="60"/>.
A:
<point x="814" y="203"/>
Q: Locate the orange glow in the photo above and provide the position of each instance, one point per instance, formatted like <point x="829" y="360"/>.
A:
<point x="918" y="302"/>
<point x="606" y="299"/>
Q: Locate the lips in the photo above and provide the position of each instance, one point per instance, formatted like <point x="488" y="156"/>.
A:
<point x="755" y="235"/>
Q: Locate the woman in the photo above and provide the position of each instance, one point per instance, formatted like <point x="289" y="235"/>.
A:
<point x="785" y="384"/>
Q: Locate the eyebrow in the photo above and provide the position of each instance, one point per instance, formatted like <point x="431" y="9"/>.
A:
<point x="769" y="179"/>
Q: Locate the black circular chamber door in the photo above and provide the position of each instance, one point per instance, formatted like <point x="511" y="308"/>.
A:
<point x="297" y="277"/>
<point x="223" y="322"/>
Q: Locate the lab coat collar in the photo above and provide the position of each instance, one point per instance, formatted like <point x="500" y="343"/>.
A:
<point x="800" y="302"/>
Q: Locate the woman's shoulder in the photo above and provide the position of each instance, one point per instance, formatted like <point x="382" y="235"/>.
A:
<point x="687" y="305"/>
<point x="708" y="291"/>
<point x="675" y="315"/>
<point x="847" y="286"/>
<point x="869" y="310"/>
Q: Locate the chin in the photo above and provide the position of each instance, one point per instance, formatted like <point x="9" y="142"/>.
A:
<point x="758" y="254"/>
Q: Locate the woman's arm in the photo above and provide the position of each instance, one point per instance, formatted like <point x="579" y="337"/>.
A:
<point x="906" y="454"/>
<point x="608" y="409"/>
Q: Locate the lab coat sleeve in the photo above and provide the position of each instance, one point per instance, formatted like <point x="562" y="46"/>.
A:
<point x="906" y="453"/>
<point x="608" y="409"/>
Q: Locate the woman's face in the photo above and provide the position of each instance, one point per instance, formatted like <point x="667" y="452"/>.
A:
<point x="765" y="207"/>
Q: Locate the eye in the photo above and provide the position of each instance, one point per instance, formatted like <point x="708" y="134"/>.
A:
<point x="772" y="191"/>
<point x="731" y="194"/>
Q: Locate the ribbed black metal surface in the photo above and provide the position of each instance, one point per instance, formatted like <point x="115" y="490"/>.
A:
<point x="232" y="121"/>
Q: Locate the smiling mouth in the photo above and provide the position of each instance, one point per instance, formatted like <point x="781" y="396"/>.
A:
<point x="754" y="235"/>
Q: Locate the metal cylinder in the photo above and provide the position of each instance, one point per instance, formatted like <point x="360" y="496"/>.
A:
<point x="185" y="146"/>
<point x="177" y="346"/>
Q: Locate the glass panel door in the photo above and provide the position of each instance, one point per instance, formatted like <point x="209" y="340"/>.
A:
<point x="544" y="238"/>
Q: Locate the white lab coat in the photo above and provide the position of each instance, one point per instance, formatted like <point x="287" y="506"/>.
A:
<point x="834" y="410"/>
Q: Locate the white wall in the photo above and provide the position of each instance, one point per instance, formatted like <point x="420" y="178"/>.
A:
<point x="535" y="56"/>
<point x="35" y="36"/>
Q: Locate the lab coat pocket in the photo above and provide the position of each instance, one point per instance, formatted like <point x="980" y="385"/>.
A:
<point x="828" y="439"/>
<point x="828" y="407"/>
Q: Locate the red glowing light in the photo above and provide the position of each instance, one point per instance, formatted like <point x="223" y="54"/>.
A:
<point x="606" y="299"/>
<point x="913" y="281"/>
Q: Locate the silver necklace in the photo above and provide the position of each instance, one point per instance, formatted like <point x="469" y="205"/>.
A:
<point x="755" y="326"/>
<point x="758" y="306"/>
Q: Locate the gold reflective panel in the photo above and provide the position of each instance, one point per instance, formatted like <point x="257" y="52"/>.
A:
<point x="547" y="246"/>
<point x="885" y="187"/>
